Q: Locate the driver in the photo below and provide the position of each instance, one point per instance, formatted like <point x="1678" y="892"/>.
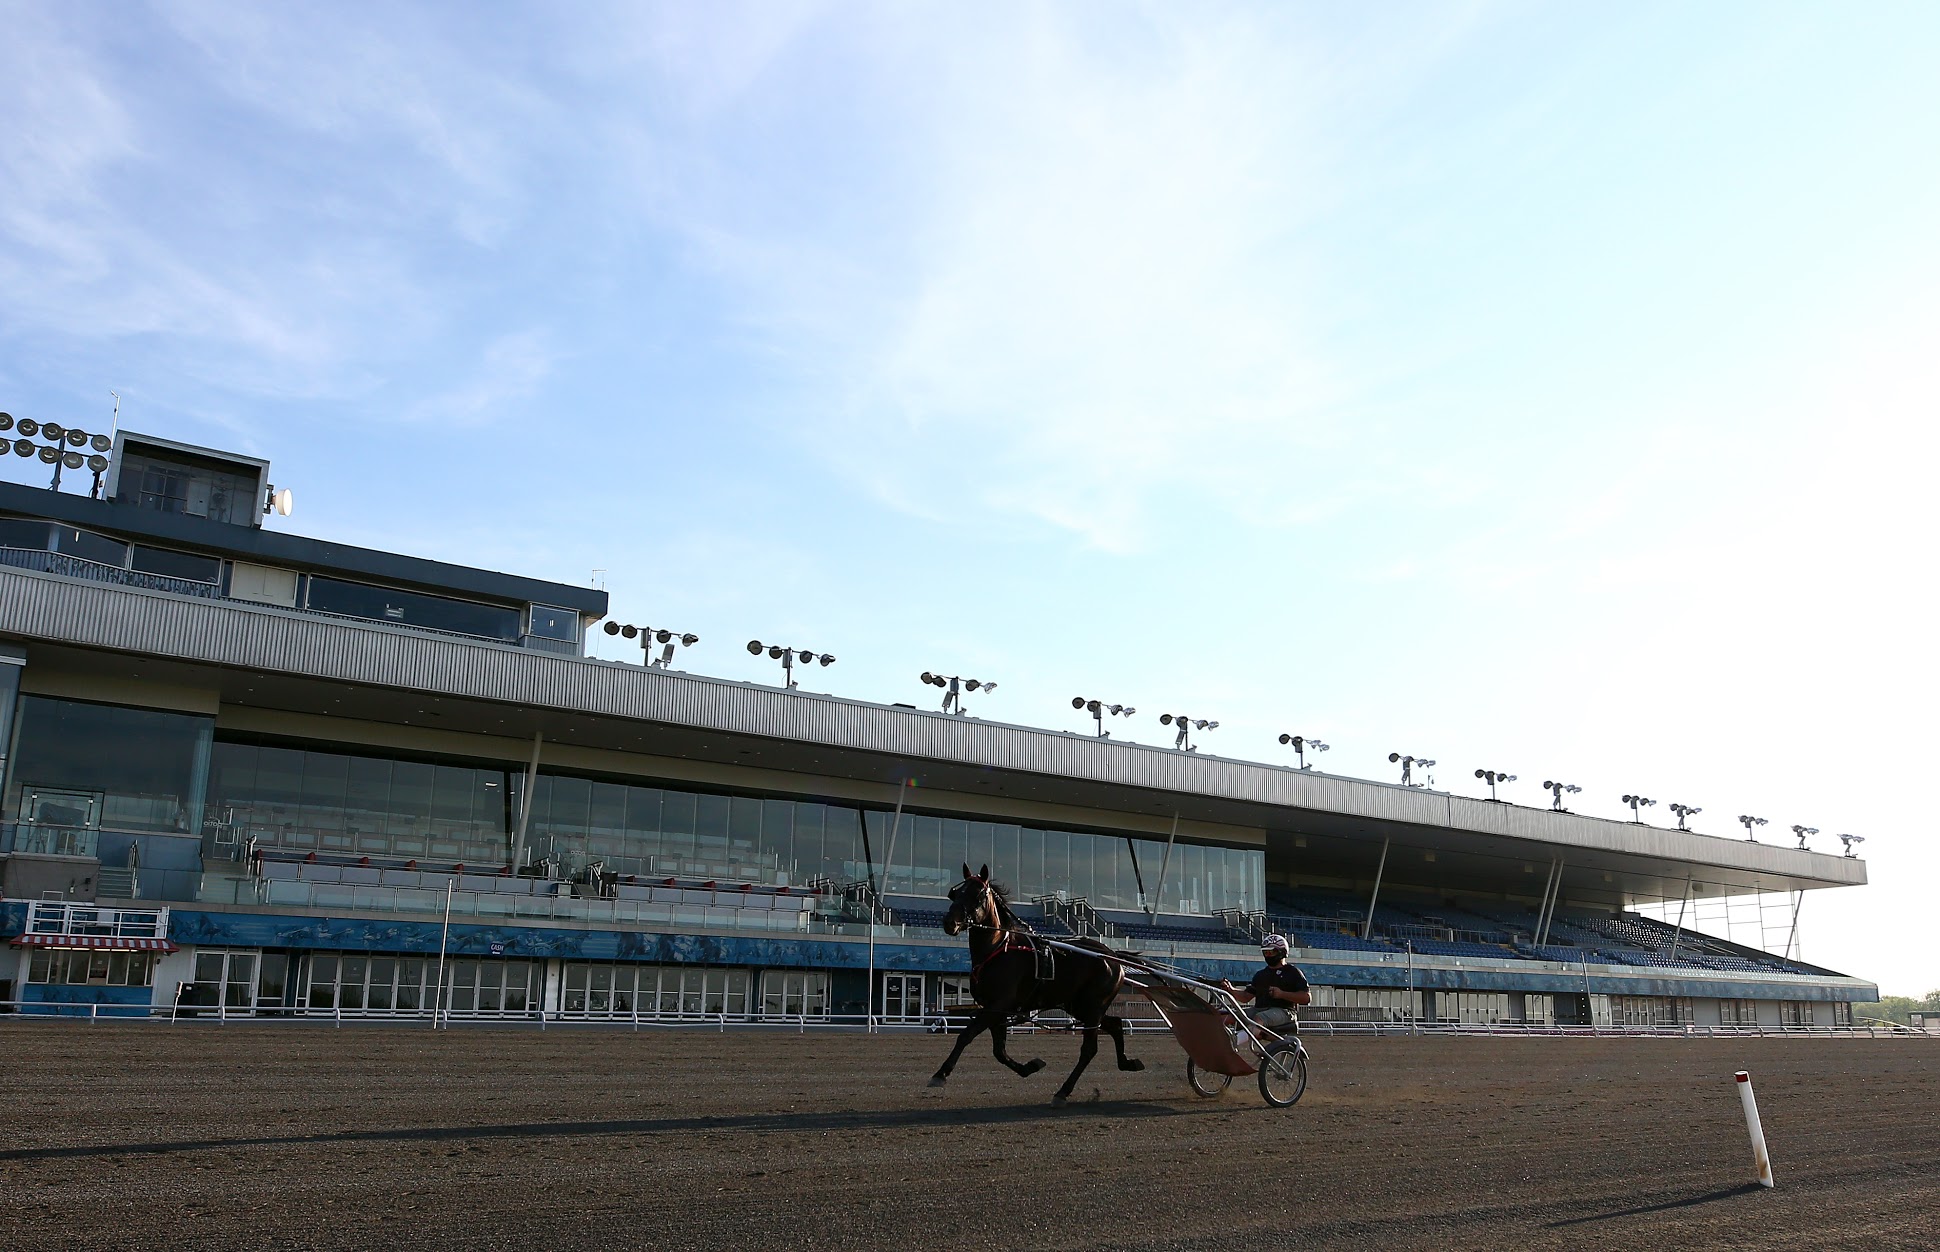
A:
<point x="1275" y="990"/>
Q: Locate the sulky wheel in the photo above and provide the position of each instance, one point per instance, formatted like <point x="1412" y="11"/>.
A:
<point x="1283" y="1073"/>
<point x="1206" y="1083"/>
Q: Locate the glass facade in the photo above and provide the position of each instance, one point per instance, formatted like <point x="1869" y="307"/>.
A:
<point x="317" y="801"/>
<point x="412" y="608"/>
<point x="58" y="967"/>
<point x="356" y="982"/>
<point x="100" y="766"/>
<point x="655" y="991"/>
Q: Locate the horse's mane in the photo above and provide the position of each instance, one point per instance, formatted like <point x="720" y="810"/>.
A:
<point x="1001" y="892"/>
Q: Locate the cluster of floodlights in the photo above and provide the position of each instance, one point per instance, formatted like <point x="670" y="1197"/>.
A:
<point x="62" y="449"/>
<point x="1494" y="776"/>
<point x="1408" y="764"/>
<point x="1099" y="709"/>
<point x="787" y="656"/>
<point x="648" y="636"/>
<point x="1186" y="726"/>
<point x="953" y="688"/>
<point x="1301" y="745"/>
<point x="1558" y="790"/>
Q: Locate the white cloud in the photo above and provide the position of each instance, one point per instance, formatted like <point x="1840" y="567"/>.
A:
<point x="510" y="369"/>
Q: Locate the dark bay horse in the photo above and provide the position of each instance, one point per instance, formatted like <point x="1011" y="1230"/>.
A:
<point x="1012" y="976"/>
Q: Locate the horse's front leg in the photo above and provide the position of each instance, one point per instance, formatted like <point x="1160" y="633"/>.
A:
<point x="999" y="1035"/>
<point x="1115" y="1027"/>
<point x="971" y="1029"/>
<point x="1085" y="1053"/>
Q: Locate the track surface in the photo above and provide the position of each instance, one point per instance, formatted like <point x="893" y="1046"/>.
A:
<point x="302" y="1136"/>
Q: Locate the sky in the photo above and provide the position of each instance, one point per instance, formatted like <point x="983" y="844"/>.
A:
<point x="1547" y="389"/>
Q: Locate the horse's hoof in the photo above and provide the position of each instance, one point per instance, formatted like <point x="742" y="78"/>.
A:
<point x="1059" y="1101"/>
<point x="938" y="1082"/>
<point x="1132" y="1065"/>
<point x="1033" y="1067"/>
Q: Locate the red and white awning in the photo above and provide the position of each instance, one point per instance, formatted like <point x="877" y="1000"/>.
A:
<point x="110" y="943"/>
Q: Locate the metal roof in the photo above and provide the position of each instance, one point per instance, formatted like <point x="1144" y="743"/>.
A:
<point x="130" y="521"/>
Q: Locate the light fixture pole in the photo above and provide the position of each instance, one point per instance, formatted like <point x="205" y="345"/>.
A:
<point x="1803" y="831"/>
<point x="1300" y="744"/>
<point x="1186" y="726"/>
<point x="1747" y="821"/>
<point x="787" y="657"/>
<point x="648" y="636"/>
<point x="1494" y="776"/>
<point x="1684" y="813"/>
<point x="1098" y="709"/>
<point x="1558" y="790"/>
<point x="1635" y="803"/>
<point x="955" y="687"/>
<point x="1408" y="764"/>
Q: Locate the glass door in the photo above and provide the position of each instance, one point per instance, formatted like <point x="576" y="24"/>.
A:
<point x="902" y="997"/>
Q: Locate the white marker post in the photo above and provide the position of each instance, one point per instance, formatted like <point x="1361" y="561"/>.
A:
<point x="1759" y="1156"/>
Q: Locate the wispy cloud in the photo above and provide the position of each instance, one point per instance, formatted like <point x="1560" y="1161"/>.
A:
<point x="511" y="368"/>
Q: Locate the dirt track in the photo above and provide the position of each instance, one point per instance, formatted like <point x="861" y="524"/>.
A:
<point x="300" y="1136"/>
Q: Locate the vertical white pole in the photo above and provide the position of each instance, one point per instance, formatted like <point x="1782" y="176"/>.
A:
<point x="888" y="859"/>
<point x="438" y="998"/>
<point x="1760" y="1159"/>
<point x="1367" y="925"/>
<point x="1158" y="889"/>
<point x="525" y="803"/>
<point x="1791" y="940"/>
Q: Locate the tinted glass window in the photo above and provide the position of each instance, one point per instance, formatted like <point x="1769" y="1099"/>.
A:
<point x="172" y="564"/>
<point x="413" y="608"/>
<point x="551" y="623"/>
<point x="16" y="533"/>
<point x="90" y="547"/>
<point x="134" y="768"/>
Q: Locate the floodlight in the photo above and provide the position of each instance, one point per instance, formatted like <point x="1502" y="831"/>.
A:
<point x="1495" y="776"/>
<point x="1185" y="725"/>
<point x="754" y="647"/>
<point x="1849" y="841"/>
<point x="50" y="456"/>
<point x="611" y="628"/>
<point x="1803" y="831"/>
<point x="787" y="656"/>
<point x="1558" y="790"/>
<point x="650" y="635"/>
<point x="29" y="427"/>
<point x="53" y="430"/>
<point x="1098" y="709"/>
<point x="955" y="687"/>
<point x="98" y="463"/>
<point x="6" y="421"/>
<point x="100" y="443"/>
<point x="1749" y="822"/>
<point x="1684" y="813"/>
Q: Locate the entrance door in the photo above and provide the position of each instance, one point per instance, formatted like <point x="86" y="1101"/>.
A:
<point x="902" y="997"/>
<point x="224" y="981"/>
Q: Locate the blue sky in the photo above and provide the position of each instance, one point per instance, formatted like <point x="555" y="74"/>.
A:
<point x="1533" y="387"/>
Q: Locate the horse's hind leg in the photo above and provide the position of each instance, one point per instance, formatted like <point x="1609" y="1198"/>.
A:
<point x="1115" y="1027"/>
<point x="971" y="1029"/>
<point x="1085" y="1053"/>
<point x="998" y="1038"/>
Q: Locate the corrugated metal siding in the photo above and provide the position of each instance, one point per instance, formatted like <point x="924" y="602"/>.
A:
<point x="49" y="607"/>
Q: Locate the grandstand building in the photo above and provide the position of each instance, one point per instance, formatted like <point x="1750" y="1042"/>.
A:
<point x="247" y="772"/>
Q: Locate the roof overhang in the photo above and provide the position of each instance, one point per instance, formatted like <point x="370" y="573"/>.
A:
<point x="1334" y="825"/>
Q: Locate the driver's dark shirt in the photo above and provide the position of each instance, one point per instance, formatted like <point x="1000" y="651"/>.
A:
<point x="1286" y="976"/>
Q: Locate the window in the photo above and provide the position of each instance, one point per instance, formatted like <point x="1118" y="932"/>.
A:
<point x="549" y="622"/>
<point x="413" y="608"/>
<point x="17" y="532"/>
<point x="141" y="763"/>
<point x="92" y="969"/>
<point x="794" y="993"/>
<point x="89" y="546"/>
<point x="172" y="564"/>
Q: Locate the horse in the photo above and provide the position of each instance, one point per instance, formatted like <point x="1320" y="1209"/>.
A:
<point x="1008" y="983"/>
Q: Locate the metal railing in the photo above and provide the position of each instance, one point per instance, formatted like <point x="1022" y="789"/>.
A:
<point x="44" y="562"/>
<point x="34" y="839"/>
<point x="57" y="917"/>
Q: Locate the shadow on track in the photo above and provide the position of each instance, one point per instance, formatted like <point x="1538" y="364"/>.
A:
<point x="781" y="1123"/>
<point x="1685" y="1203"/>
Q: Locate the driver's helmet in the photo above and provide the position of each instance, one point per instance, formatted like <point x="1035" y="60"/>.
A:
<point x="1275" y="944"/>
